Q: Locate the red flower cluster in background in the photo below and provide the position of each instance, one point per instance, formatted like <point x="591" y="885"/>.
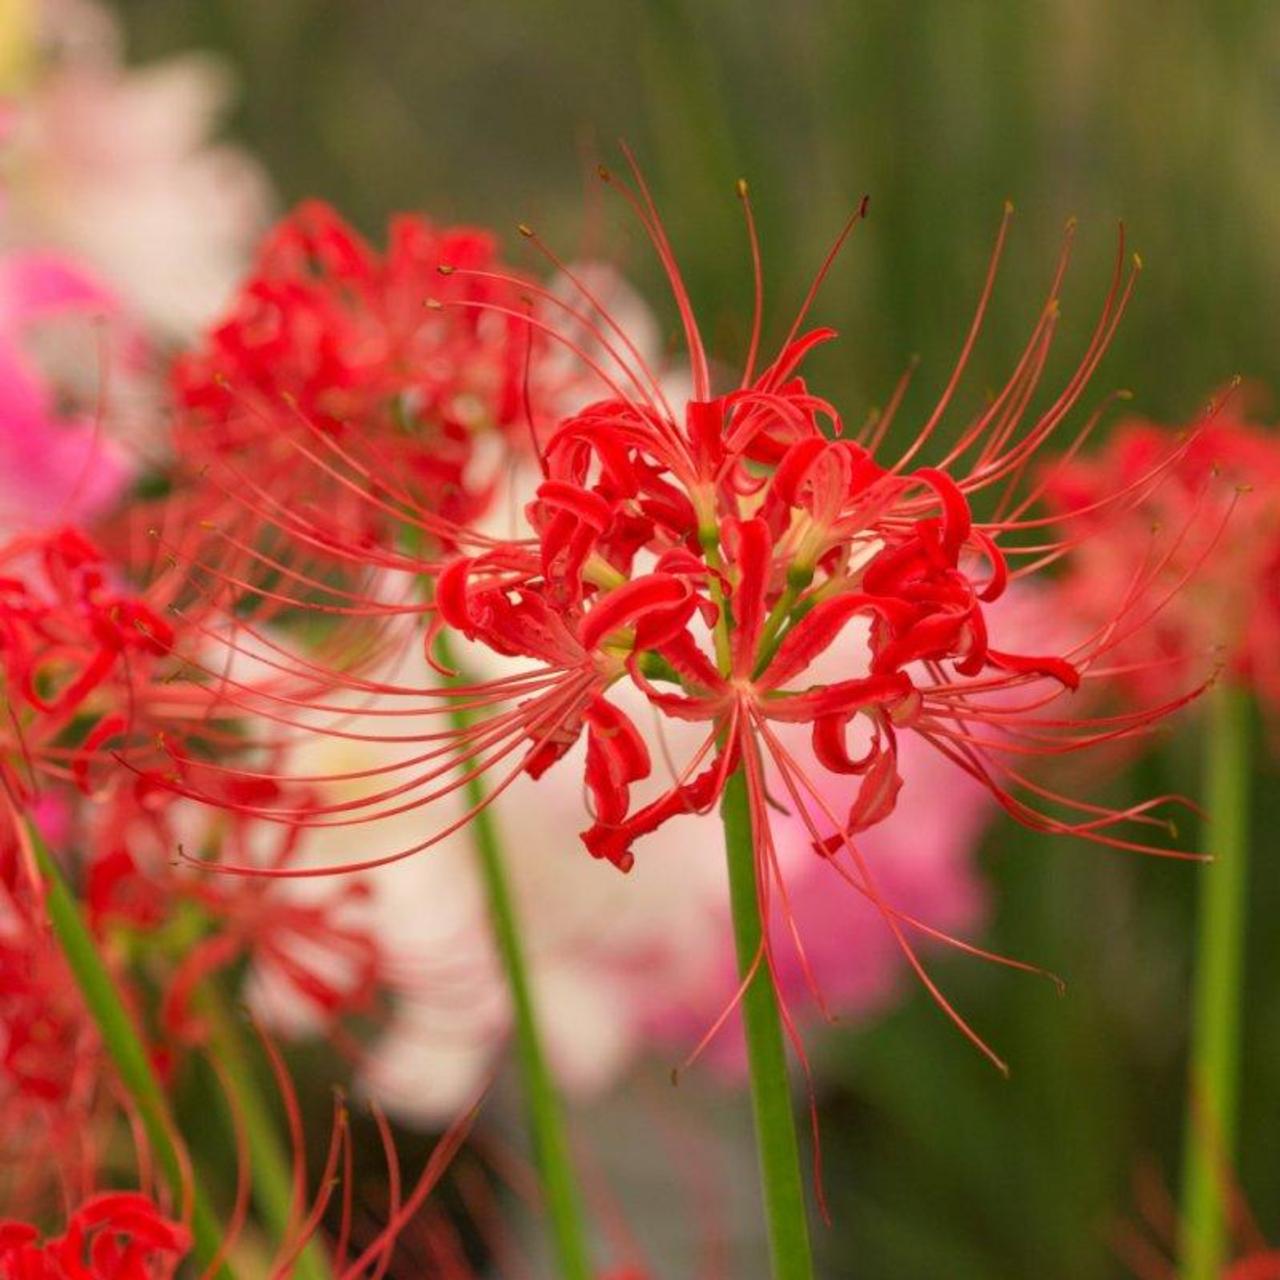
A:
<point x="73" y="648"/>
<point x="111" y="1236"/>
<point x="89" y="678"/>
<point x="1213" y="597"/>
<point x="55" y="1078"/>
<point x="330" y="353"/>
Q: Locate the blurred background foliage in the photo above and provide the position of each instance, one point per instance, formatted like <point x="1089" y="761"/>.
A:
<point x="1165" y="116"/>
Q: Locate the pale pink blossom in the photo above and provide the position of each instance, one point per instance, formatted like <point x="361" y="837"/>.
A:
<point x="116" y="165"/>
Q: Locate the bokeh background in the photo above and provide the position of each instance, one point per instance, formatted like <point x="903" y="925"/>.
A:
<point x="1166" y="117"/>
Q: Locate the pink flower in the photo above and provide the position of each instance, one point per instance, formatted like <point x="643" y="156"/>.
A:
<point x="53" y="468"/>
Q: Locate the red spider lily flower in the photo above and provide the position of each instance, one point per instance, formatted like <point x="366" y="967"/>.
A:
<point x="78" y="657"/>
<point x="119" y="1235"/>
<point x="44" y="1035"/>
<point x="85" y="669"/>
<point x="319" y="964"/>
<point x="62" y="1118"/>
<point x="125" y="1235"/>
<point x="89" y="670"/>
<point x="376" y="380"/>
<point x="1224" y="494"/>
<point x="711" y="555"/>
<point x="88" y="673"/>
<point x="343" y="328"/>
<point x="55" y="1080"/>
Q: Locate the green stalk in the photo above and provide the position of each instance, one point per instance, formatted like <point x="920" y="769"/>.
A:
<point x="778" y="1150"/>
<point x="542" y="1102"/>
<point x="1212" y="1121"/>
<point x="121" y="1039"/>
<point x="272" y="1176"/>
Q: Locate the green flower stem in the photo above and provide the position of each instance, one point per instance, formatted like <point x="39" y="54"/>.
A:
<point x="270" y="1168"/>
<point x="1215" y="1041"/>
<point x="121" y="1038"/>
<point x="777" y="1147"/>
<point x="546" y="1116"/>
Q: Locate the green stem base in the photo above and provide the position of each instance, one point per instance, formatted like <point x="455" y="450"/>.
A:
<point x="1211" y="1122"/>
<point x="781" y="1182"/>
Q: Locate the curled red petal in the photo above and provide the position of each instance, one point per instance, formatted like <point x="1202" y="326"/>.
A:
<point x="819" y="629"/>
<point x="616" y="757"/>
<point x="957" y="519"/>
<point x="651" y="599"/>
<point x="613" y="841"/>
<point x="1058" y="669"/>
<point x="876" y="799"/>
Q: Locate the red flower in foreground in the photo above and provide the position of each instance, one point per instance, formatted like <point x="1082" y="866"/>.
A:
<point x="1223" y="494"/>
<point x="712" y="555"/>
<point x="117" y="1235"/>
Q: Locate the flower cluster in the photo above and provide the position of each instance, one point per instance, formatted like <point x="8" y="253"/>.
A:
<point x="77" y="654"/>
<point x="111" y="1236"/>
<point x="330" y="360"/>
<point x="88" y="676"/>
<point x="53" y="1068"/>
<point x="713" y="555"/>
<point x="1214" y="596"/>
